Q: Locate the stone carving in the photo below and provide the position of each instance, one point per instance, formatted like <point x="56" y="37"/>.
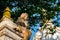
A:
<point x="46" y="32"/>
<point x="23" y="20"/>
<point x="25" y="32"/>
<point x="23" y="26"/>
<point x="7" y="26"/>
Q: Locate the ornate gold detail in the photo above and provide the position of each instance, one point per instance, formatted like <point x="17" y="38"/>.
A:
<point x="6" y="14"/>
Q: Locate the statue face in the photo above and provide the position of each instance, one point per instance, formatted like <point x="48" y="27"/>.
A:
<point x="24" y="16"/>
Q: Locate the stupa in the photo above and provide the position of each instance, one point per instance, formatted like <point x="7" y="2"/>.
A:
<point x="7" y="26"/>
<point x="48" y="32"/>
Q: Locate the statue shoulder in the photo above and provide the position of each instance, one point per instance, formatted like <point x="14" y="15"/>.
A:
<point x="29" y="31"/>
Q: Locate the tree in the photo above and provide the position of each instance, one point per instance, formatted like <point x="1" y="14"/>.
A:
<point x="33" y="8"/>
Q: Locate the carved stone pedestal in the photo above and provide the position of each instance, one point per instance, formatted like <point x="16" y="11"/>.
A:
<point x="7" y="26"/>
<point x="7" y="31"/>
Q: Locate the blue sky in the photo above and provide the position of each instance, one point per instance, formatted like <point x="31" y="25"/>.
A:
<point x="34" y="32"/>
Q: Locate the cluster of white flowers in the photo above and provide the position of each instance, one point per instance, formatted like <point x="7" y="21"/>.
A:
<point x="48" y="32"/>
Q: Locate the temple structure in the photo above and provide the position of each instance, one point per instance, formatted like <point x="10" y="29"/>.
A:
<point x="48" y="32"/>
<point x="7" y="26"/>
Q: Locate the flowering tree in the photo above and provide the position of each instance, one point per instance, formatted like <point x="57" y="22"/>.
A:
<point x="35" y="9"/>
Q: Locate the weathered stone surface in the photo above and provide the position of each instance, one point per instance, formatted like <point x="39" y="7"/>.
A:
<point x="7" y="31"/>
<point x="7" y="26"/>
<point x="6" y="38"/>
<point x="8" y="22"/>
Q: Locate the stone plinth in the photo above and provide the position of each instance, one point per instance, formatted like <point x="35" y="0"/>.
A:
<point x="7" y="26"/>
<point x="7" y="31"/>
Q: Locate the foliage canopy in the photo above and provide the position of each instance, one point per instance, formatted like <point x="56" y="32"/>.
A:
<point x="33" y="8"/>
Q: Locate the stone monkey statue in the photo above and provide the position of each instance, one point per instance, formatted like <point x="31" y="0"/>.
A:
<point x="25" y="32"/>
<point x="23" y="20"/>
<point x="23" y="26"/>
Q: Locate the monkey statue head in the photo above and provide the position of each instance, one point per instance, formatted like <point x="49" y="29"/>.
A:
<point x="23" y="20"/>
<point x="24" y="16"/>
